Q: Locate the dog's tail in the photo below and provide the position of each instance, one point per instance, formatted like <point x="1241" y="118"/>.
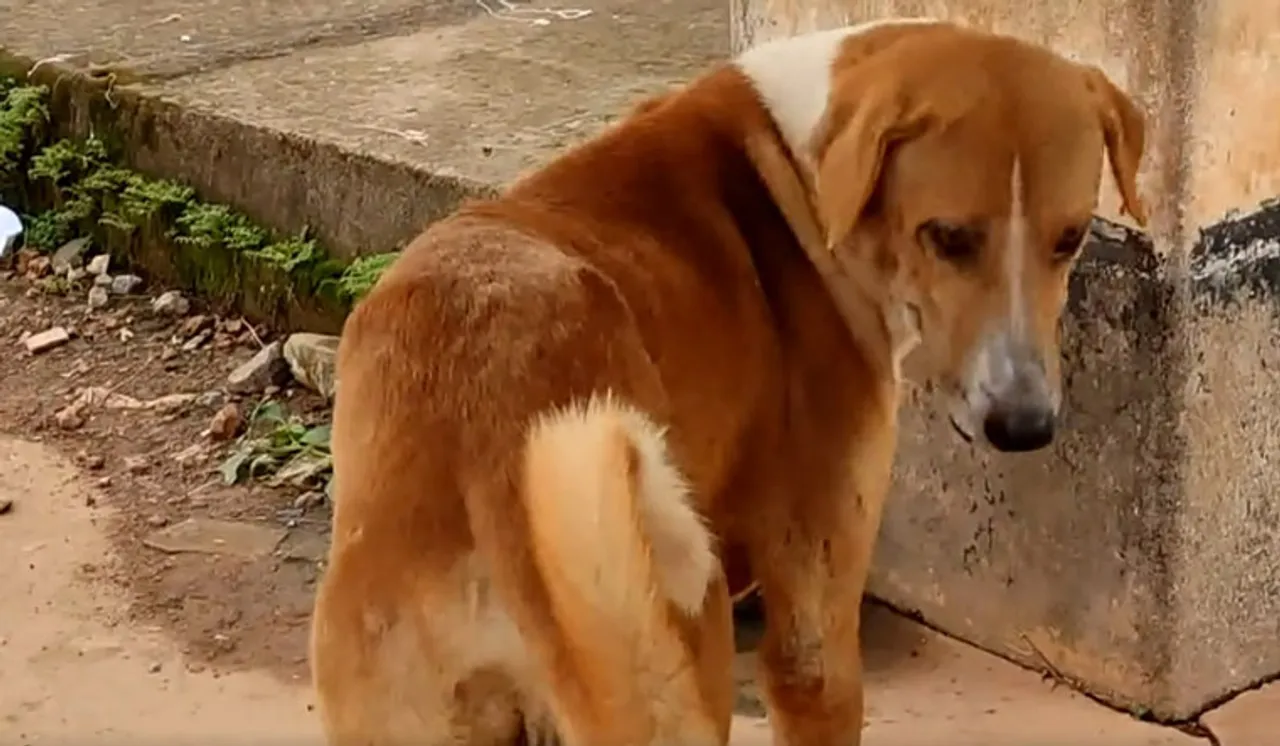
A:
<point x="623" y="554"/>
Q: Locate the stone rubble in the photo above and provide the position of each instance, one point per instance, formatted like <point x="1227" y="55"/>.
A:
<point x="171" y="303"/>
<point x="98" y="265"/>
<point x="125" y="284"/>
<point x="70" y="255"/>
<point x="47" y="340"/>
<point x="267" y="367"/>
<point x="311" y="359"/>
<point x="98" y="297"/>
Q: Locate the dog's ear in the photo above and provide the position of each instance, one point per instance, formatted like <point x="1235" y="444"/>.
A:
<point x="1124" y="128"/>
<point x="853" y="142"/>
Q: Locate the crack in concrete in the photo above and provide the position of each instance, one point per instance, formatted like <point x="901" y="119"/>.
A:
<point x="1192" y="726"/>
<point x="1225" y="699"/>
<point x="1205" y="732"/>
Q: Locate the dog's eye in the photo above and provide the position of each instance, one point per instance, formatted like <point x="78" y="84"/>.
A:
<point x="1069" y="242"/>
<point x="955" y="243"/>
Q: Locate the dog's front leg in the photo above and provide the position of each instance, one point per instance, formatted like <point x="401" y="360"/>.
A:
<point x="812" y="574"/>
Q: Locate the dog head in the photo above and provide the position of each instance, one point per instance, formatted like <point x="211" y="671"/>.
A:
<point x="959" y="171"/>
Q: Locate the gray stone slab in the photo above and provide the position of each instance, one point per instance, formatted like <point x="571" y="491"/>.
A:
<point x="305" y="544"/>
<point x="482" y="99"/>
<point x="211" y="536"/>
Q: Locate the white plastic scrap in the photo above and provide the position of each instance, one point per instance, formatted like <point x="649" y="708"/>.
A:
<point x="10" y="229"/>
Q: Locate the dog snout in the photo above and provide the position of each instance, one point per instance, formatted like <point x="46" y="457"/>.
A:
<point x="1009" y="398"/>
<point x="1020" y="425"/>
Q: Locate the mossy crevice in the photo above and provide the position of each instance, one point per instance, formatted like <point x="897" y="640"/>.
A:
<point x="72" y="188"/>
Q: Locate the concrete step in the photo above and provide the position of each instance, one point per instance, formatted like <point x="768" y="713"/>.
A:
<point x="361" y="120"/>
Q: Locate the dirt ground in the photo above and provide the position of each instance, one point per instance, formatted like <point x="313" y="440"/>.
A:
<point x="105" y="635"/>
<point x="151" y="469"/>
<point x="223" y="637"/>
<point x="76" y="661"/>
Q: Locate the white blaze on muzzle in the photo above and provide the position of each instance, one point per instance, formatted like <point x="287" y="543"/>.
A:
<point x="1007" y="395"/>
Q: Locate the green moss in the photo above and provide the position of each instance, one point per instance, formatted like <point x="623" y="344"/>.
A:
<point x="24" y="115"/>
<point x="210" y="248"/>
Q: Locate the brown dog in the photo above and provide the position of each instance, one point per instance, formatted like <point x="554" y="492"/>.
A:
<point x="679" y="342"/>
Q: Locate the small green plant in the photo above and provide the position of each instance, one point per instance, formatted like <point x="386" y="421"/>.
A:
<point x="64" y="160"/>
<point x="47" y="231"/>
<point x="290" y="254"/>
<point x="280" y="447"/>
<point x="54" y="285"/>
<point x="206" y="226"/>
<point x="52" y="228"/>
<point x="362" y="274"/>
<point x="143" y="200"/>
<point x="82" y="179"/>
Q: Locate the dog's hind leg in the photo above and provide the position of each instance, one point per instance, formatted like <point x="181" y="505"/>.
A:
<point x="421" y="672"/>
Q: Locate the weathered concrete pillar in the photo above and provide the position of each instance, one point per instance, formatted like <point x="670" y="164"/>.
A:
<point x="1141" y="557"/>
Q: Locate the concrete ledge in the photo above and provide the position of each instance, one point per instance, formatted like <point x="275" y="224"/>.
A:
<point x="1137" y="560"/>
<point x="353" y="202"/>
<point x="363" y="122"/>
<point x="1239" y="256"/>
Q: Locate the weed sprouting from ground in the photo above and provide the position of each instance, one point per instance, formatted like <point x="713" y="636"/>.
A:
<point x="65" y="161"/>
<point x="143" y="200"/>
<point x="282" y="449"/>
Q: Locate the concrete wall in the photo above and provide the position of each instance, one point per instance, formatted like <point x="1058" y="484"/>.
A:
<point x="1141" y="557"/>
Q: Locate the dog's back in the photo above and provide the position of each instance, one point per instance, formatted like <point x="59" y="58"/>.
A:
<point x="511" y="527"/>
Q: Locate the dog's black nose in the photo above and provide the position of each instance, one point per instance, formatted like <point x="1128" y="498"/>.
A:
<point x="1019" y="428"/>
